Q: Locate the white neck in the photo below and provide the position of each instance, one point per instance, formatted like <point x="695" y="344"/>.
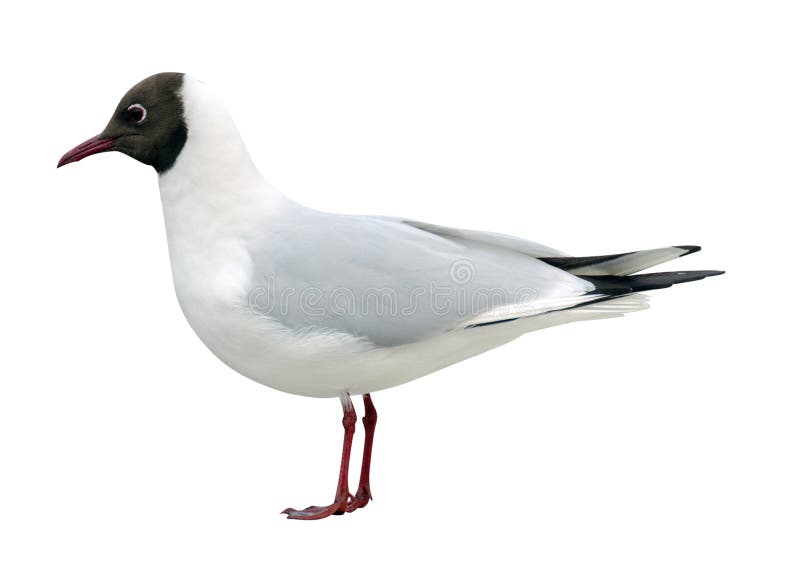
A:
<point x="213" y="173"/>
<point x="213" y="198"/>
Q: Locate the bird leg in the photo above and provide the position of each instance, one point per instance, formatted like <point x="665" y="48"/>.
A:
<point x="364" y="494"/>
<point x="342" y="497"/>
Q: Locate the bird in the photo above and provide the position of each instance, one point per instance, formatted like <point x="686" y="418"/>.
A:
<point x="333" y="305"/>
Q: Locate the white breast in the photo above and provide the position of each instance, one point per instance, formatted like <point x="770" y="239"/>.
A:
<point x="215" y="201"/>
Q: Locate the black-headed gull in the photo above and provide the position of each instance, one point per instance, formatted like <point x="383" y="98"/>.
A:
<point x="329" y="305"/>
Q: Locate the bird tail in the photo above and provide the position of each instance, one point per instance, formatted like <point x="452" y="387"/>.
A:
<point x="611" y="274"/>
<point x="615" y="292"/>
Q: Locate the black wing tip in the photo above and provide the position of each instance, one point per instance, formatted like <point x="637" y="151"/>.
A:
<point x="689" y="249"/>
<point x="495" y="322"/>
<point x="705" y="273"/>
<point x="619" y="285"/>
<point x="676" y="277"/>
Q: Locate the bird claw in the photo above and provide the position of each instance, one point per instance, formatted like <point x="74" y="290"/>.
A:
<point x="338" y="507"/>
<point x="361" y="498"/>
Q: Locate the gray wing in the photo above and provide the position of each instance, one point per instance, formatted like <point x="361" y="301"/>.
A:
<point x="504" y="241"/>
<point x="394" y="282"/>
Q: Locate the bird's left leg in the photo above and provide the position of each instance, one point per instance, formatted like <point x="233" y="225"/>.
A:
<point x="342" y="496"/>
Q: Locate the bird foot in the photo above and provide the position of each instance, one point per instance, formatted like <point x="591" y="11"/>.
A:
<point x="360" y="499"/>
<point x="338" y="507"/>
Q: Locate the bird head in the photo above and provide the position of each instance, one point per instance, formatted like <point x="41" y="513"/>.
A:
<point x="148" y="125"/>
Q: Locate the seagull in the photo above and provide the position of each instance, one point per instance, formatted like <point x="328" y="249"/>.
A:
<point x="330" y="305"/>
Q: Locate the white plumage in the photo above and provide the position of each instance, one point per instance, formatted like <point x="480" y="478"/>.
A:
<point x="230" y="233"/>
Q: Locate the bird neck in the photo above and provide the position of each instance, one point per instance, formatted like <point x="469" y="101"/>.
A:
<point x="213" y="189"/>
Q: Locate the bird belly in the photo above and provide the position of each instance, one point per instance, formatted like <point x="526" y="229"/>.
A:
<point x="212" y="288"/>
<point x="325" y="363"/>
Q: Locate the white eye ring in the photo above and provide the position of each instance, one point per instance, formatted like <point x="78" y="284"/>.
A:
<point x="137" y="108"/>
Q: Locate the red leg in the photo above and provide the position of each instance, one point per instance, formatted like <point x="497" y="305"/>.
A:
<point x="339" y="504"/>
<point x="364" y="494"/>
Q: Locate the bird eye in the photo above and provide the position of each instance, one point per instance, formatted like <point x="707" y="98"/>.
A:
<point x="136" y="113"/>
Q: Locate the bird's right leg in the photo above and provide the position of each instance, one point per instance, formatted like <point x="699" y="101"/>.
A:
<point x="342" y="496"/>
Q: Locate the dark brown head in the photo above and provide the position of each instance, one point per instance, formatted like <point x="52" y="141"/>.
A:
<point x="148" y="125"/>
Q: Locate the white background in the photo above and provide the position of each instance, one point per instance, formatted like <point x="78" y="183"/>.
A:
<point x="664" y="442"/>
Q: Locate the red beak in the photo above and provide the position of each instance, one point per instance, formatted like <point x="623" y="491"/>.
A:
<point x="91" y="146"/>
